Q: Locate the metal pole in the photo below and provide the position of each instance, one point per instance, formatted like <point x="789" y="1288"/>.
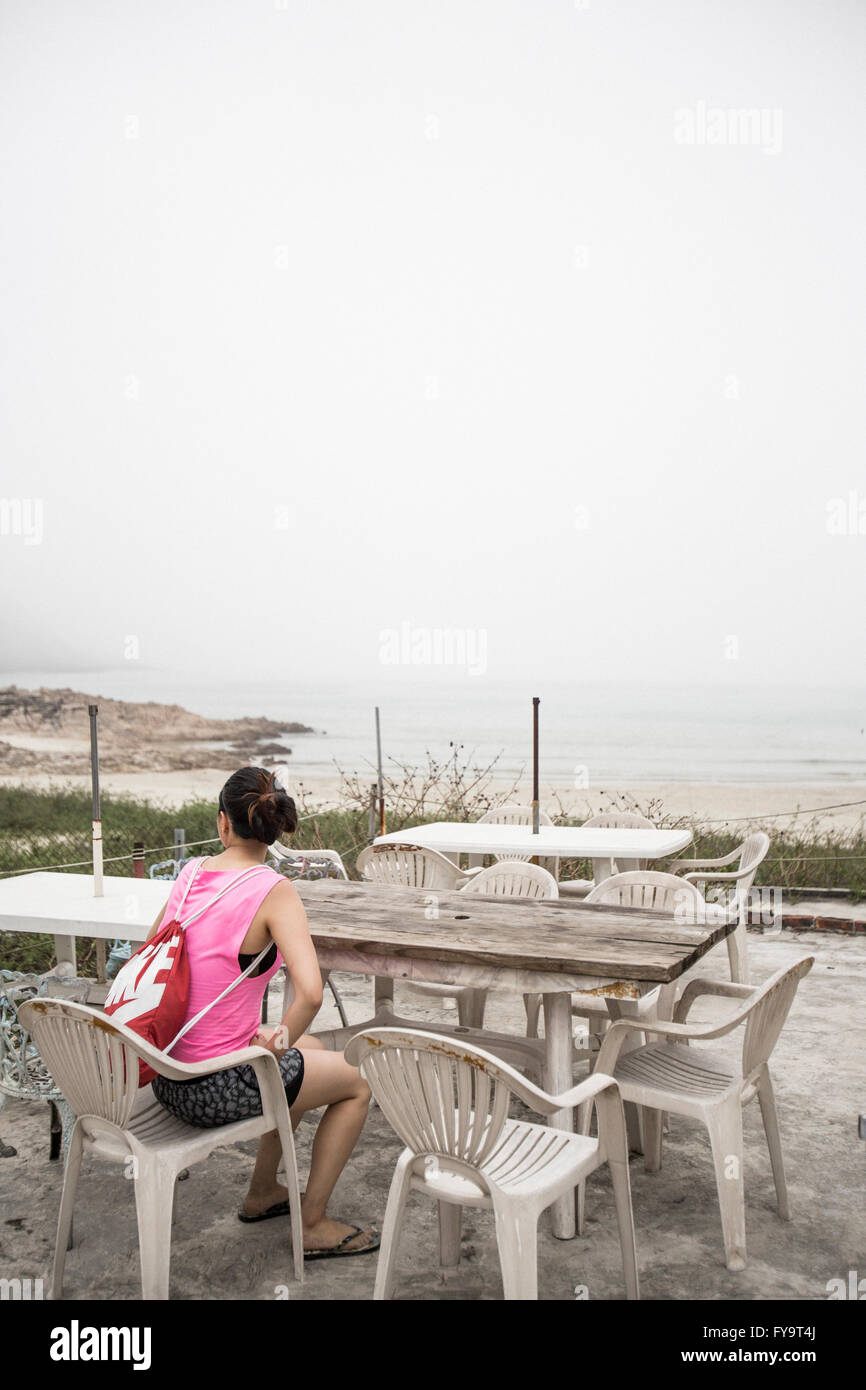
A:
<point x="381" y="782"/>
<point x="371" y="827"/>
<point x="179" y="844"/>
<point x="93" y="711"/>
<point x="535" y="817"/>
<point x="138" y="859"/>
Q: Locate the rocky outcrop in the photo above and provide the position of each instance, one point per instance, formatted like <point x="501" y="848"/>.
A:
<point x="48" y="731"/>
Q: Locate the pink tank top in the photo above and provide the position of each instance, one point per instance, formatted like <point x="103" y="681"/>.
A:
<point x="213" y="942"/>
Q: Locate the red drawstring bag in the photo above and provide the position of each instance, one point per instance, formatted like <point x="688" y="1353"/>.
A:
<point x="150" y="993"/>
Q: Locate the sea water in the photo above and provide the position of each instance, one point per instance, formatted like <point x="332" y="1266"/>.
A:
<point x="590" y="734"/>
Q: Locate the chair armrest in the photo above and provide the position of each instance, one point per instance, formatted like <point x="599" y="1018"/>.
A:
<point x="703" y="876"/>
<point x="165" y="1066"/>
<point x="621" y="1027"/>
<point x="704" y="863"/>
<point x="579" y="1095"/>
<point x="602" y="1091"/>
<point x="359" y="1046"/>
<point x="694" y="988"/>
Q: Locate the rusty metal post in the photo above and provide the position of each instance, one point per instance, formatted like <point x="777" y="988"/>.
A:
<point x="535" y="819"/>
<point x="381" y="782"/>
<point x="93" y="711"/>
<point x="535" y="806"/>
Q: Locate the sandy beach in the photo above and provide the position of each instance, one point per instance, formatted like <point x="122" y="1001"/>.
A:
<point x="166" y="755"/>
<point x="700" y="803"/>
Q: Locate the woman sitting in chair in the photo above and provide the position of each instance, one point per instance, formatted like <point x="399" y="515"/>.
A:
<point x="259" y="911"/>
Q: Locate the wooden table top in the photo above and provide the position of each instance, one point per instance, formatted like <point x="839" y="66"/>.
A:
<point x="555" y="937"/>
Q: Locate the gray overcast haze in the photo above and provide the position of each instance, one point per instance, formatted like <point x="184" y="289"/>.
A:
<point x="319" y="319"/>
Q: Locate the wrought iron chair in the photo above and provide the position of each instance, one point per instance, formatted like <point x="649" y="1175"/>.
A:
<point x="312" y="864"/>
<point x="23" y="1073"/>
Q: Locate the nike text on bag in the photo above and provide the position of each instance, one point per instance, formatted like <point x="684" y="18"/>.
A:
<point x="150" y="993"/>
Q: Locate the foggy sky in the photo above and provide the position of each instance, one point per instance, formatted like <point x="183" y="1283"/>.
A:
<point x="503" y="318"/>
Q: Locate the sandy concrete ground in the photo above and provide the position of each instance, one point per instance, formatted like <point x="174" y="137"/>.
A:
<point x="703" y="803"/>
<point x="818" y="1070"/>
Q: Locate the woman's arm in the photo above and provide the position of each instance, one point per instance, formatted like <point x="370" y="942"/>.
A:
<point x="287" y="923"/>
<point x="157" y="924"/>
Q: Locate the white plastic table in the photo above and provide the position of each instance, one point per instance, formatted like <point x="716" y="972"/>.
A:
<point x="551" y="842"/>
<point x="44" y="902"/>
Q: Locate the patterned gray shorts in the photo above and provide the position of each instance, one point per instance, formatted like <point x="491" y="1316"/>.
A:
<point x="224" y="1097"/>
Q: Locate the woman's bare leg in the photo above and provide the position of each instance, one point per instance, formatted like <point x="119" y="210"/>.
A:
<point x="330" y="1081"/>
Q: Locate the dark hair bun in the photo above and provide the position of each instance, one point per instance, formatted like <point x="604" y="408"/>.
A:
<point x="257" y="808"/>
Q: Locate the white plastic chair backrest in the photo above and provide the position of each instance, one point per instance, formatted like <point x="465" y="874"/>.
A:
<point x="618" y="820"/>
<point x="513" y="878"/>
<point x="768" y="1012"/>
<point x="513" y="814"/>
<point x="407" y="866"/>
<point x="93" y="1061"/>
<point x="441" y="1095"/>
<point x="753" y="851"/>
<point x="282" y="855"/>
<point x="650" y="889"/>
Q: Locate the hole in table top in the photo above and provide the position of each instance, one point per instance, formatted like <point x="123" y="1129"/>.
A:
<point x="461" y="916"/>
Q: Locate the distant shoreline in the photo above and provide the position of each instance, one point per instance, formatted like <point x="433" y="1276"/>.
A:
<point x="47" y="731"/>
<point x="702" y="803"/>
<point x="164" y="754"/>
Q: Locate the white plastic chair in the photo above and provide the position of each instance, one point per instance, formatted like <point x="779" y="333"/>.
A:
<point x="513" y="814"/>
<point x="605" y="868"/>
<point x="308" y="861"/>
<point x="408" y="866"/>
<point x="703" y="1083"/>
<point x="312" y="865"/>
<point x="23" y="1073"/>
<point x="508" y="878"/>
<point x="655" y="892"/>
<point x="94" y="1062"/>
<point x="514" y="878"/>
<point x="748" y="857"/>
<point x="652" y="891"/>
<point x="448" y="1101"/>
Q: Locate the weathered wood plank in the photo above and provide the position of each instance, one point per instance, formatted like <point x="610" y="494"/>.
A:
<point x="487" y="974"/>
<point x="509" y="934"/>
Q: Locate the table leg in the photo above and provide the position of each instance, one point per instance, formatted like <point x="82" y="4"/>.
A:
<point x="558" y="1078"/>
<point x="64" y="950"/>
<point x="383" y="998"/>
<point x="470" y="1007"/>
<point x="626" y="1008"/>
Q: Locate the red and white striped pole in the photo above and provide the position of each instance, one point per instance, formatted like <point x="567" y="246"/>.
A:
<point x="535" y="807"/>
<point x="93" y="710"/>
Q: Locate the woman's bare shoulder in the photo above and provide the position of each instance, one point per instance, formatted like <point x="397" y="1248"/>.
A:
<point x="283" y="896"/>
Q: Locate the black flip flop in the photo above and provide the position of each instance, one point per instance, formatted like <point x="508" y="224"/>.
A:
<point x="335" y="1252"/>
<point x="278" y="1209"/>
